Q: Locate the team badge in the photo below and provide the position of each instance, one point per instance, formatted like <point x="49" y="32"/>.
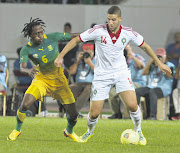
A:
<point x="50" y="48"/>
<point x="123" y="40"/>
<point x="94" y="92"/>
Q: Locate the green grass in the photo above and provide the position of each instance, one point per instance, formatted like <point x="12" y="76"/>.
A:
<point x="44" y="135"/>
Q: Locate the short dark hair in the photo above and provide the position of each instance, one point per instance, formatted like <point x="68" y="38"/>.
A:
<point x="114" y="10"/>
<point x="68" y="25"/>
<point x="28" y="27"/>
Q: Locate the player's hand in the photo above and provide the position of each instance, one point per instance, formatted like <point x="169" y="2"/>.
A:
<point x="164" y="68"/>
<point x="33" y="71"/>
<point x="58" y="62"/>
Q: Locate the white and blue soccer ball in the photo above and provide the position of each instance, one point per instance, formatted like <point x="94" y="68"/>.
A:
<point x="129" y="136"/>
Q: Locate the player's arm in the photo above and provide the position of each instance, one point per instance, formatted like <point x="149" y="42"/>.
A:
<point x="32" y="72"/>
<point x="59" y="60"/>
<point x="73" y="35"/>
<point x="57" y="36"/>
<point x="23" y="63"/>
<point x="163" y="67"/>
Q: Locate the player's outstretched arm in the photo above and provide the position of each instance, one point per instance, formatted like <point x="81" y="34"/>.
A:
<point x="59" y="60"/>
<point x="73" y="35"/>
<point x="163" y="67"/>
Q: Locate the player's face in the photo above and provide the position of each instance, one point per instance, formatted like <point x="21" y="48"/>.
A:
<point x="113" y="22"/>
<point x="37" y="35"/>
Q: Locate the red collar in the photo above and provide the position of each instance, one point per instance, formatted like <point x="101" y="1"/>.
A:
<point x="114" y="36"/>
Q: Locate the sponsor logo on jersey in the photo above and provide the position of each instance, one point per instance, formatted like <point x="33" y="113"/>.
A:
<point x="123" y="40"/>
<point x="35" y="55"/>
<point x="50" y="48"/>
<point x="41" y="49"/>
<point x="21" y="58"/>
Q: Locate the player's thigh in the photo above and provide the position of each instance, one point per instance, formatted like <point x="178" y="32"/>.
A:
<point x="96" y="108"/>
<point x="130" y="100"/>
<point x="124" y="82"/>
<point x="100" y="89"/>
<point x="31" y="95"/>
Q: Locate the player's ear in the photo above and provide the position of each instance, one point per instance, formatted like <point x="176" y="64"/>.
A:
<point x="120" y="19"/>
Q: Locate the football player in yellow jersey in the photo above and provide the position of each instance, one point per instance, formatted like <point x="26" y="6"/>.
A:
<point x="43" y="50"/>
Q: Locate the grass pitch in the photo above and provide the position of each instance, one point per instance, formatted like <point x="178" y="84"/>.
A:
<point x="45" y="135"/>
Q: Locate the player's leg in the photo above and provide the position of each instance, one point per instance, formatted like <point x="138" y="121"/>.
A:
<point x="72" y="117"/>
<point x="92" y="119"/>
<point x="65" y="96"/>
<point x="114" y="103"/>
<point x="100" y="92"/>
<point x="76" y="88"/>
<point x="28" y="100"/>
<point x="129" y="98"/>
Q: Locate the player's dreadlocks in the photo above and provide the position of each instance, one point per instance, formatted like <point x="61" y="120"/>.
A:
<point x="28" y="27"/>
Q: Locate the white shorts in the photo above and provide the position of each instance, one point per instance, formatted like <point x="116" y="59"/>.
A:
<point x="101" y="85"/>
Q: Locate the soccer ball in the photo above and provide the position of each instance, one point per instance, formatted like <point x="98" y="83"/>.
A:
<point x="129" y="137"/>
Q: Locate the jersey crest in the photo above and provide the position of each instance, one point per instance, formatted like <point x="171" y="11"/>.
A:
<point x="123" y="40"/>
<point x="50" y="48"/>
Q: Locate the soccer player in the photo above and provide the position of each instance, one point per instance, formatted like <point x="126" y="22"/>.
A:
<point x="111" y="68"/>
<point x="43" y="50"/>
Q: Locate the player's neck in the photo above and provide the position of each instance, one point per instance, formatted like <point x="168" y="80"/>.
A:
<point x="116" y="30"/>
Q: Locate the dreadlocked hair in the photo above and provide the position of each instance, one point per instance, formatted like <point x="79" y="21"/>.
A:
<point x="28" y="27"/>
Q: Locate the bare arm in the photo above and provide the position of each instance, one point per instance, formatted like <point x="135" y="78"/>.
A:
<point x="73" y="35"/>
<point x="59" y="60"/>
<point x="163" y="67"/>
<point x="31" y="72"/>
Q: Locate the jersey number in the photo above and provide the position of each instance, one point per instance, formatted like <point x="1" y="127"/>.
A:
<point x="44" y="59"/>
<point x="103" y="40"/>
